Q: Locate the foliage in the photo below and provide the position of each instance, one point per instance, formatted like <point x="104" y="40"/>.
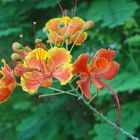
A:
<point x="129" y="122"/>
<point x="117" y="26"/>
<point x="112" y="13"/>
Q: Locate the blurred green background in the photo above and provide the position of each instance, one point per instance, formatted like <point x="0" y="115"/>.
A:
<point x="117" y="26"/>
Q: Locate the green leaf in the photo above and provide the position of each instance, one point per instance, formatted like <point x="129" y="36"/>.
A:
<point x="112" y="13"/>
<point x="130" y="120"/>
<point x="133" y="41"/>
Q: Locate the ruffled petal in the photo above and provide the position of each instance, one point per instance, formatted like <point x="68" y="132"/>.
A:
<point x="110" y="72"/>
<point x="75" y="25"/>
<point x="81" y="64"/>
<point x="58" y="57"/>
<point x="31" y="81"/>
<point x="4" y="93"/>
<point x="64" y="73"/>
<point x="20" y="69"/>
<point x="36" y="59"/>
<point x="55" y="38"/>
<point x="107" y="54"/>
<point x="98" y="64"/>
<point x="53" y="24"/>
<point x="7" y="82"/>
<point x="82" y="38"/>
<point x="84" y="85"/>
<point x="79" y="39"/>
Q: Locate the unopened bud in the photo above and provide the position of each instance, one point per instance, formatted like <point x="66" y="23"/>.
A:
<point x="15" y="57"/>
<point x="37" y="40"/>
<point x="61" y="25"/>
<point x="16" y="46"/>
<point x="66" y="36"/>
<point x="88" y="25"/>
<point x="45" y="30"/>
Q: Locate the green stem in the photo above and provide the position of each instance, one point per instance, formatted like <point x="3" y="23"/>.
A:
<point x="62" y="44"/>
<point x="67" y="92"/>
<point x="49" y="40"/>
<point x="102" y="116"/>
<point x="74" y="78"/>
<point x="51" y="94"/>
<point x="93" y="97"/>
<point x="66" y="44"/>
<point x="76" y="40"/>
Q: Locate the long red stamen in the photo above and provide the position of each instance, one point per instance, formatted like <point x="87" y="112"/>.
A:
<point x="116" y="99"/>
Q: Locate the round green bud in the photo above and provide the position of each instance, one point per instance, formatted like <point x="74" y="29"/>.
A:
<point x="61" y="24"/>
<point x="15" y="57"/>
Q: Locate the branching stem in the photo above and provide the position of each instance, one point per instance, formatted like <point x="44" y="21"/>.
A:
<point x="103" y="117"/>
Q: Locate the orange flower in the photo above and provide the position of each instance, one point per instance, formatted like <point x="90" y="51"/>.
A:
<point x="40" y="67"/>
<point x="102" y="66"/>
<point x="66" y="28"/>
<point x="7" y="82"/>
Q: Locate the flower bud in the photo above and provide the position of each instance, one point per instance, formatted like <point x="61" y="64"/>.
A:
<point x="61" y="25"/>
<point x="16" y="47"/>
<point x="37" y="40"/>
<point x="88" y="25"/>
<point x="66" y="36"/>
<point x="45" y="30"/>
<point x="15" y="57"/>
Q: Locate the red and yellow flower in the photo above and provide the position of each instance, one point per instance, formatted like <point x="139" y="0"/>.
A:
<point x="101" y="66"/>
<point x="41" y="66"/>
<point x="66" y="28"/>
<point x="7" y="82"/>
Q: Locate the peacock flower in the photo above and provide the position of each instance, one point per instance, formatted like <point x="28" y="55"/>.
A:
<point x="66" y="28"/>
<point x="7" y="82"/>
<point x="102" y="66"/>
<point x="40" y="67"/>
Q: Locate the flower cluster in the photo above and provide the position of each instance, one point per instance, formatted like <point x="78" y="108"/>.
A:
<point x="68" y="30"/>
<point x="39" y="67"/>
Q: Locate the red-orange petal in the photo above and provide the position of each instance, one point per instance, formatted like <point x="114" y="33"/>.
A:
<point x="7" y="82"/>
<point x="58" y="57"/>
<point x="55" y="38"/>
<point x="4" y="94"/>
<point x="106" y="53"/>
<point x="96" y="84"/>
<point x="53" y="24"/>
<point x="75" y="25"/>
<point x="79" y="39"/>
<point x="63" y="73"/>
<point x="31" y="81"/>
<point x="110" y="72"/>
<point x="84" y="85"/>
<point x="81" y="64"/>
